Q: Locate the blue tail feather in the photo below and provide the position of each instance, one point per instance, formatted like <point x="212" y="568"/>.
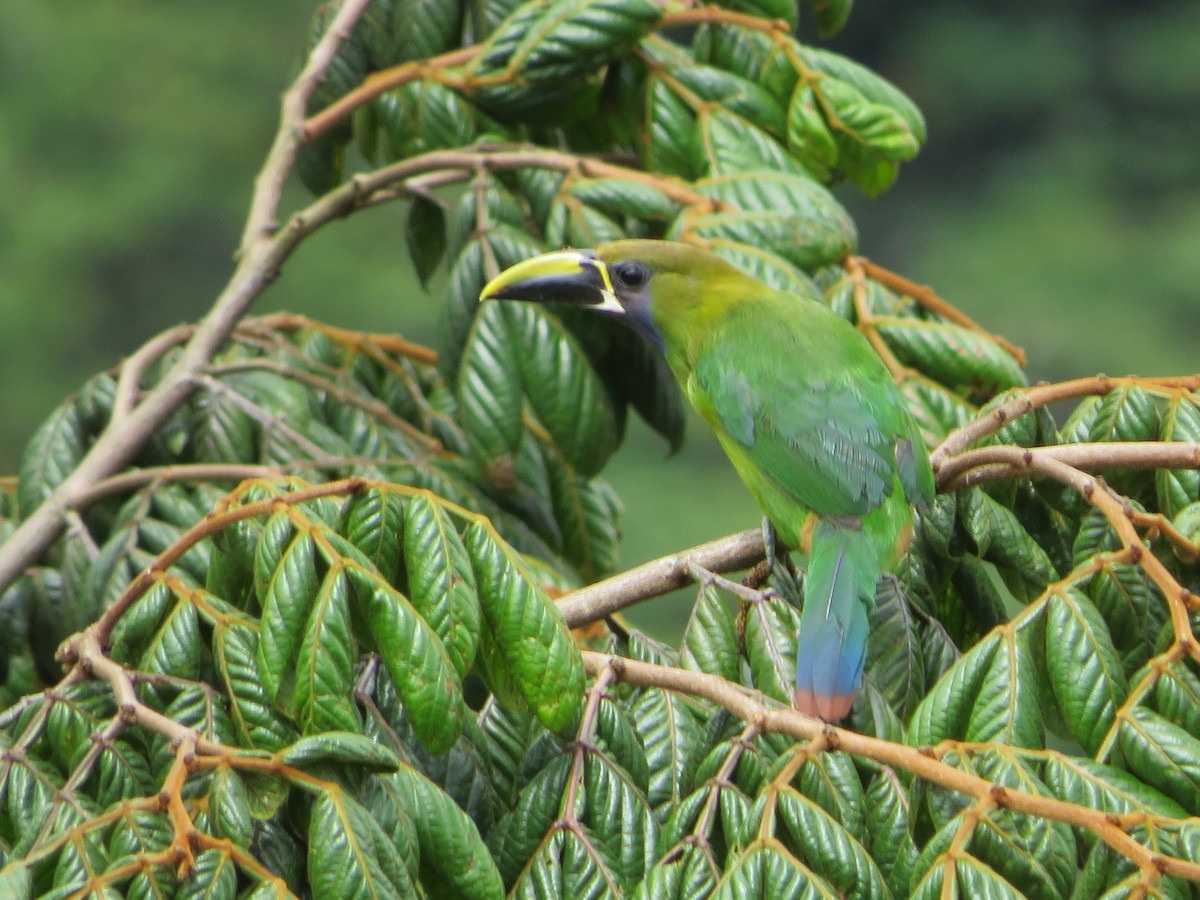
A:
<point x="839" y="594"/>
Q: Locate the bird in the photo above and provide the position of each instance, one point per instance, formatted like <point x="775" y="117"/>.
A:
<point x="805" y="409"/>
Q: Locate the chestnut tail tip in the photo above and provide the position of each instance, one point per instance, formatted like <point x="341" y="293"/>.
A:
<point x="823" y="706"/>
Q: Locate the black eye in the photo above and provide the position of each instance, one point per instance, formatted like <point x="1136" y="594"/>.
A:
<point x="631" y="275"/>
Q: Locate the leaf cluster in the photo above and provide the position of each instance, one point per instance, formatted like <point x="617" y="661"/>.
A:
<point x="310" y="633"/>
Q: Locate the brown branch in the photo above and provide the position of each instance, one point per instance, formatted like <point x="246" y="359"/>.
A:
<point x="660" y="576"/>
<point x="378" y="82"/>
<point x="997" y="463"/>
<point x="788" y="722"/>
<point x="129" y="380"/>
<point x="261" y="254"/>
<point x="1043" y="395"/>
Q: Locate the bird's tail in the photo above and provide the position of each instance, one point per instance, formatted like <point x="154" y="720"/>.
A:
<point x="839" y="595"/>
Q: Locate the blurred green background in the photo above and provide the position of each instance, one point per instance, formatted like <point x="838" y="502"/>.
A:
<point x="1057" y="200"/>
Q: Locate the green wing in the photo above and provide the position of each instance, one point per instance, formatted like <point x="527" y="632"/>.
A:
<point x="810" y="406"/>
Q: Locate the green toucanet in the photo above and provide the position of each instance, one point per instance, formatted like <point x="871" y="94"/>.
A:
<point x="805" y="409"/>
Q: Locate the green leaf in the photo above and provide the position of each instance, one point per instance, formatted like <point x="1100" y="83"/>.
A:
<point x="828" y="849"/>
<point x="213" y="876"/>
<point x="489" y="391"/>
<point x="790" y="215"/>
<point x="1179" y="487"/>
<point x="808" y="136"/>
<point x="291" y="592"/>
<point x="455" y="861"/>
<point x="671" y="735"/>
<point x="710" y="638"/>
<point x="894" y="656"/>
<point x="867" y="83"/>
<point x="1128" y="413"/>
<point x="235" y="653"/>
<point x="533" y="641"/>
<point x="1104" y="788"/>
<point x="229" y="807"/>
<point x="876" y="128"/>
<point x="563" y="390"/>
<point x="889" y="830"/>
<point x="426" y="235"/>
<point x="440" y="580"/>
<point x="1085" y="671"/>
<point x="767" y="871"/>
<point x="618" y="197"/>
<point x="373" y="521"/>
<point x="671" y="137"/>
<point x="50" y="456"/>
<point x="419" y="666"/>
<point x="1163" y="755"/>
<point x="564" y="38"/>
<point x="325" y="662"/>
<point x="770" y="647"/>
<point x="831" y="15"/>
<point x="961" y="359"/>
<point x="1000" y="537"/>
<point x="349" y="855"/>
<point x="341" y="747"/>
<point x="516" y="836"/>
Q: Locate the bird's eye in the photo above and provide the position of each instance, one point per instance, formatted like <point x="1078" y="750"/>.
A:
<point x="631" y="275"/>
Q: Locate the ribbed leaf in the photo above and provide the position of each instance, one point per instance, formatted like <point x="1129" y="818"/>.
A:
<point x="564" y="38"/>
<point x="710" y="638"/>
<point x="566" y="395"/>
<point x="1128" y="413"/>
<point x="516" y="836"/>
<point x="420" y="668"/>
<point x="1179" y="487"/>
<point x="808" y="135"/>
<point x="373" y="521"/>
<point x="290" y="594"/>
<point x="455" y="860"/>
<point x="535" y="646"/>
<point x="349" y="854"/>
<point x="235" y="653"/>
<point x="790" y="215"/>
<point x="980" y="694"/>
<point x="1162" y="755"/>
<point x="440" y="580"/>
<point x="325" y="663"/>
<point x="1103" y="787"/>
<point x="51" y="455"/>
<point x="769" y="872"/>
<point x="770" y="647"/>
<point x="671" y="735"/>
<point x="618" y="818"/>
<point x="1085" y="671"/>
<point x="489" y="391"/>
<point x="959" y="358"/>
<point x="828" y="849"/>
<point x="889" y="830"/>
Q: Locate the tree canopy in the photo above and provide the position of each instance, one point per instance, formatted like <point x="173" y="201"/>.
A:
<point x="288" y="608"/>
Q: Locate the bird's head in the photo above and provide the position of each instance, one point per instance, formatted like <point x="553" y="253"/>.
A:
<point x="651" y="285"/>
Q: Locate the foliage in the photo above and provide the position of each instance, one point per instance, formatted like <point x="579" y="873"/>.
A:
<point x="324" y="653"/>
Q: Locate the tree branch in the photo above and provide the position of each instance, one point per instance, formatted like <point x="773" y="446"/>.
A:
<point x="1043" y="395"/>
<point x="259" y="260"/>
<point x="1001" y="462"/>
<point x="777" y="720"/>
<point x="660" y="576"/>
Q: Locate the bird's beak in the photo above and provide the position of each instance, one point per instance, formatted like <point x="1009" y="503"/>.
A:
<point x="574" y="277"/>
